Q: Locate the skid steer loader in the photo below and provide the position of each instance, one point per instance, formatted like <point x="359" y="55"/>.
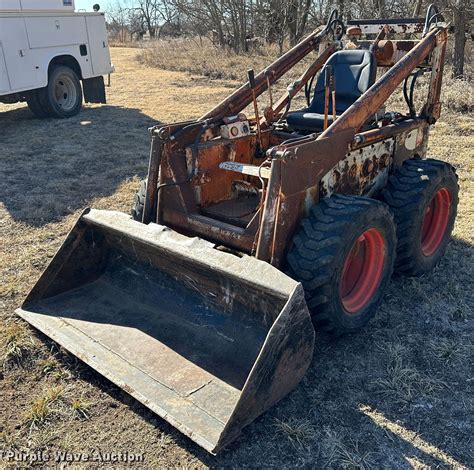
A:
<point x="248" y="231"/>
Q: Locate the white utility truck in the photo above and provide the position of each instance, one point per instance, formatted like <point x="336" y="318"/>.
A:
<point x="46" y="50"/>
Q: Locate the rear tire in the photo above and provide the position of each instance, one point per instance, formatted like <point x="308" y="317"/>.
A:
<point x="423" y="195"/>
<point x="343" y="255"/>
<point x="62" y="97"/>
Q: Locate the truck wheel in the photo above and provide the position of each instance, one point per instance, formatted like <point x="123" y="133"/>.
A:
<point x="62" y="97"/>
<point x="33" y="101"/>
<point x="343" y="255"/>
<point x="423" y="195"/>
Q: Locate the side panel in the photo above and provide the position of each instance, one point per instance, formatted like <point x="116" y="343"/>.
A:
<point x="21" y="71"/>
<point x="10" y="5"/>
<point x="98" y="46"/>
<point x="61" y="5"/>
<point x="362" y="172"/>
<point x="56" y="31"/>
<point x="4" y="81"/>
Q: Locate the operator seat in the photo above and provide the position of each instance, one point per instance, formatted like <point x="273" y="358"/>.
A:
<point x="354" y="72"/>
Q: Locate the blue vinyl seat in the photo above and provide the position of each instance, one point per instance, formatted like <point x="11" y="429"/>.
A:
<point x="354" y="73"/>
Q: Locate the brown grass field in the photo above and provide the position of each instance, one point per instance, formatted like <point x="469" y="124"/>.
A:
<point x="397" y="395"/>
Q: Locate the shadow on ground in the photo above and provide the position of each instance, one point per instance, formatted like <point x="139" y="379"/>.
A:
<point x="53" y="167"/>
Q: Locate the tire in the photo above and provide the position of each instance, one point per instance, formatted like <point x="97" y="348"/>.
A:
<point x="139" y="202"/>
<point x="423" y="195"/>
<point x="62" y="97"/>
<point x="36" y="107"/>
<point x="343" y="255"/>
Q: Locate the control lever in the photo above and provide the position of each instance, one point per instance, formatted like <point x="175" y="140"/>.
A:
<point x="251" y="77"/>
<point x="327" y="90"/>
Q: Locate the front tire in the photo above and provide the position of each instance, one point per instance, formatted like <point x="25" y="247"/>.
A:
<point x="343" y="255"/>
<point x="423" y="195"/>
<point x="139" y="201"/>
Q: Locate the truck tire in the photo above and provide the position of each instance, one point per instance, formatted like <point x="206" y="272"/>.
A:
<point x="423" y="195"/>
<point x="62" y="97"/>
<point x="36" y="107"/>
<point x="343" y="254"/>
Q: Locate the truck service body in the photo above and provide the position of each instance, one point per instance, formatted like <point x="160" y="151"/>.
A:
<point x="37" y="36"/>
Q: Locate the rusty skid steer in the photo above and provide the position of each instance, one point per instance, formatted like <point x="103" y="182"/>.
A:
<point x="250" y="230"/>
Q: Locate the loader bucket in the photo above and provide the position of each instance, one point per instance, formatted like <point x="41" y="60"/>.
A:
<point x="206" y="339"/>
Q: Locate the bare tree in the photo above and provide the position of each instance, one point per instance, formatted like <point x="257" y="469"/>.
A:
<point x="460" y="13"/>
<point x="297" y="13"/>
<point x="118" y="19"/>
<point x="148" y="9"/>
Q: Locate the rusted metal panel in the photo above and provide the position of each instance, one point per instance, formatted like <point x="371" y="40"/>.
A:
<point x="303" y="163"/>
<point x="206" y="339"/>
<point x="389" y="51"/>
<point x="211" y="183"/>
<point x="361" y="172"/>
<point x="394" y="25"/>
<point x="411" y="143"/>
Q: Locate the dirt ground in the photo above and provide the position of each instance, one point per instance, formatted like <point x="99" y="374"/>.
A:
<point x="397" y="395"/>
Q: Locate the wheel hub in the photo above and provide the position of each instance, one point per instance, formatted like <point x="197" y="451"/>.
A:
<point x="65" y="92"/>
<point x="435" y="222"/>
<point x="362" y="271"/>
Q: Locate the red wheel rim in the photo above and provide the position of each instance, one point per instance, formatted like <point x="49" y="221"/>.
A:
<point x="435" y="221"/>
<point x="362" y="271"/>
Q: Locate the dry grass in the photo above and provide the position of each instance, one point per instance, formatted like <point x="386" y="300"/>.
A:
<point x="410" y="368"/>
<point x="203" y="58"/>
<point x="404" y="384"/>
<point x="299" y="432"/>
<point x="44" y="408"/>
<point x="16" y="345"/>
<point x="81" y="407"/>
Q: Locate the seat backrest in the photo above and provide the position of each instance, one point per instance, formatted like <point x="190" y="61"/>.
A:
<point x="354" y="73"/>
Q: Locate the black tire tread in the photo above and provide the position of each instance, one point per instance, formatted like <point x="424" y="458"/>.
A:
<point x="315" y="246"/>
<point x="404" y="194"/>
<point x="36" y="105"/>
<point x="139" y="202"/>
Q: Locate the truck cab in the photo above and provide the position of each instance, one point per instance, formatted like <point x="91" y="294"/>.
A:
<point x="51" y="56"/>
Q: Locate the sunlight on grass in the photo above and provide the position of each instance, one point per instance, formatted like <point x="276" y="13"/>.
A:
<point x="411" y="437"/>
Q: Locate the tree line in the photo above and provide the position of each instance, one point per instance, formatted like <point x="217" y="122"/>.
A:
<point x="241" y="24"/>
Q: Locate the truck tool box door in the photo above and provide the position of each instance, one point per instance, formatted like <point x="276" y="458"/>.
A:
<point x="13" y="39"/>
<point x="52" y="31"/>
<point x="98" y="47"/>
